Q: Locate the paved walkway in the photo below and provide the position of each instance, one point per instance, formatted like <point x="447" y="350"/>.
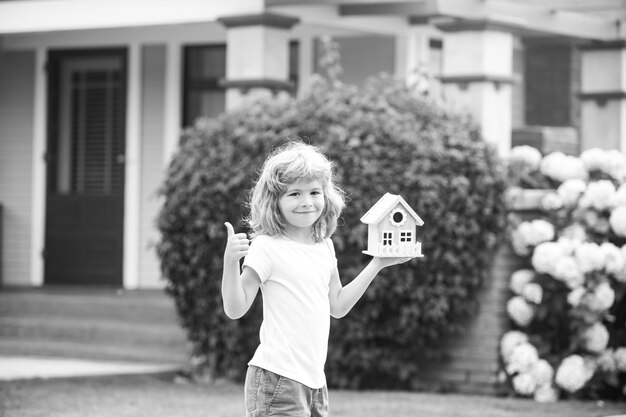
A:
<point x="24" y="367"/>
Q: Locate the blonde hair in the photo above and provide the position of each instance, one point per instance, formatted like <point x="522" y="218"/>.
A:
<point x="292" y="162"/>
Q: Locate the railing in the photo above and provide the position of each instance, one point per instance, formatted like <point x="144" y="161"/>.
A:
<point x="411" y="250"/>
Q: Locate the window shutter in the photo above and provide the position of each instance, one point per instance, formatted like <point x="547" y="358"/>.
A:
<point x="96" y="108"/>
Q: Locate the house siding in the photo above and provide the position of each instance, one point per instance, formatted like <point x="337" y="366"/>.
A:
<point x="152" y="169"/>
<point x="365" y="56"/>
<point x="16" y="148"/>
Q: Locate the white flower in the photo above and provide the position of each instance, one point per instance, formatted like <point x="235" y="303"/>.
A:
<point x="530" y="234"/>
<point x="614" y="261"/>
<point x="614" y="163"/>
<point x="551" y="202"/>
<point x="520" y="311"/>
<point x="561" y="167"/>
<point x="568" y="245"/>
<point x="611" y="162"/>
<point x="617" y="220"/>
<point x="595" y="338"/>
<point x="542" y="231"/>
<point x="524" y="384"/>
<point x="589" y="257"/>
<point x="620" y="176"/>
<point x="620" y="196"/>
<point x="521" y="238"/>
<point x="542" y="372"/>
<point x="575" y="296"/>
<point x="522" y="359"/>
<point x="601" y="298"/>
<point x="509" y="341"/>
<point x="575" y="232"/>
<point x="600" y="195"/>
<point x="546" y="393"/>
<point x="567" y="270"/>
<point x="596" y="220"/>
<point x="533" y="293"/>
<point x="606" y="361"/>
<point x="571" y="190"/>
<point x="519" y="279"/>
<point x="621" y="276"/>
<point x="544" y="257"/>
<point x="593" y="159"/>
<point x="620" y="358"/>
<point x="573" y="373"/>
<point x="526" y="154"/>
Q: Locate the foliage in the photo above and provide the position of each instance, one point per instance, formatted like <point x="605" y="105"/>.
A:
<point x="569" y="307"/>
<point x="382" y="138"/>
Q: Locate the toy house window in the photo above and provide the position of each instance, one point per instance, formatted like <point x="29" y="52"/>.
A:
<point x="387" y="237"/>
<point x="406" y="236"/>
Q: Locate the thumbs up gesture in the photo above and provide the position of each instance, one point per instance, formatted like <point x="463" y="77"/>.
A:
<point x="236" y="246"/>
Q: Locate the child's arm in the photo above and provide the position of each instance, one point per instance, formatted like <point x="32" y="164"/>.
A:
<point x="238" y="288"/>
<point x="342" y="299"/>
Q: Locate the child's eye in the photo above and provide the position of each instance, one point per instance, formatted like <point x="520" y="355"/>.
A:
<point x="294" y="194"/>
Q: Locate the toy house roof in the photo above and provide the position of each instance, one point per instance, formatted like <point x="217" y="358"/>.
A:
<point x="383" y="206"/>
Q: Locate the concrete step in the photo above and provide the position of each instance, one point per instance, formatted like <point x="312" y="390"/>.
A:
<point x="91" y="324"/>
<point x="73" y="350"/>
<point x="134" y="306"/>
<point x="90" y="331"/>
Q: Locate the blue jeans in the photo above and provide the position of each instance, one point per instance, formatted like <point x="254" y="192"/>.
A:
<point x="269" y="394"/>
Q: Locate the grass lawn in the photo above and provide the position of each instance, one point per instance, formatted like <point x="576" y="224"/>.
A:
<point x="159" y="396"/>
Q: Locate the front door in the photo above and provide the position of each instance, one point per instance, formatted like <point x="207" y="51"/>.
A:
<point x="85" y="167"/>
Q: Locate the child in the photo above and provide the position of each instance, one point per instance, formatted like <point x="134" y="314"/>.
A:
<point x="294" y="208"/>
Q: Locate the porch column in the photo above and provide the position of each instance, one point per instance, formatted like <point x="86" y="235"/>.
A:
<point x="477" y="76"/>
<point x="413" y="56"/>
<point x="603" y="96"/>
<point x="257" y="56"/>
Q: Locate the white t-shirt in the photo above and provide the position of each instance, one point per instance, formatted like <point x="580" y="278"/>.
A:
<point x="295" y="281"/>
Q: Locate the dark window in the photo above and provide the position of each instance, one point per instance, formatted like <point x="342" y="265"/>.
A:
<point x="204" y="67"/>
<point x="397" y="217"/>
<point x="294" y="64"/>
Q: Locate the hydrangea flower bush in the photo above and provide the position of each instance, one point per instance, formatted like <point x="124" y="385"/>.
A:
<point x="568" y="307"/>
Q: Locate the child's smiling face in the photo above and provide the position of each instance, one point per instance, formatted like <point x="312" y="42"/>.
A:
<point x="302" y="204"/>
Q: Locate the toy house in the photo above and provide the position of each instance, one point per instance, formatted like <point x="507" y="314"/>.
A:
<point x="392" y="228"/>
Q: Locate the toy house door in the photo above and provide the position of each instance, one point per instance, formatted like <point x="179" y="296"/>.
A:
<point x="406" y="240"/>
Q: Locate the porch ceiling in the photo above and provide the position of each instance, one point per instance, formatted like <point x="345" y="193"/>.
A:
<point x="524" y="18"/>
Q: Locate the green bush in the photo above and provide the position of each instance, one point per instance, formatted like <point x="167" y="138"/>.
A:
<point x="382" y="138"/>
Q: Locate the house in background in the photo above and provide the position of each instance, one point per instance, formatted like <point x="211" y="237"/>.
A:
<point x="93" y="95"/>
<point x="392" y="228"/>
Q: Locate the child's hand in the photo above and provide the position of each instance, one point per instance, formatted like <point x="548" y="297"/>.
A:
<point x="236" y="246"/>
<point x="385" y="262"/>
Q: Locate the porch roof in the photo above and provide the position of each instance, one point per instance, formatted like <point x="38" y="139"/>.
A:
<point x="27" y="16"/>
<point x="528" y="18"/>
